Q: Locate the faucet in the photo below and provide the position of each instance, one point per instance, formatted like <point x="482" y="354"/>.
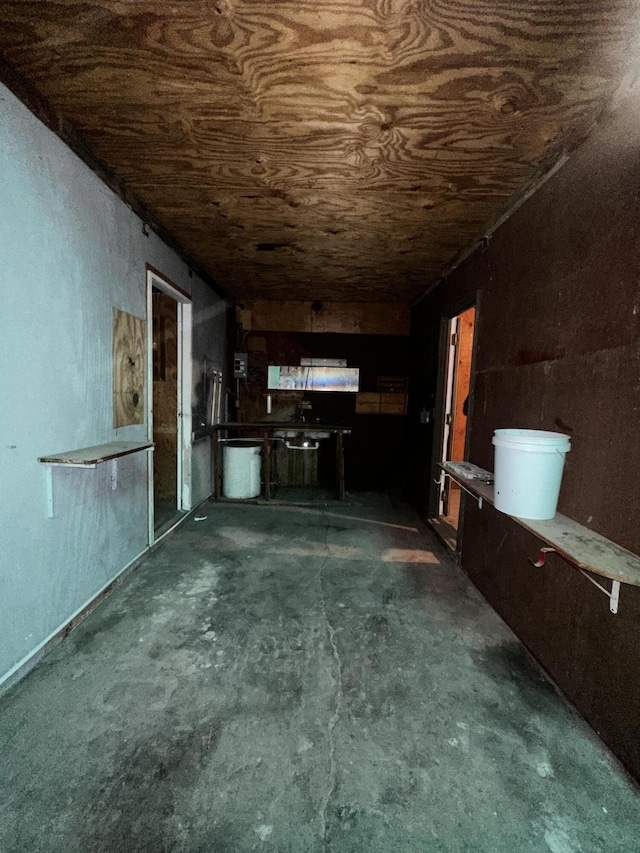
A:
<point x="303" y="407"/>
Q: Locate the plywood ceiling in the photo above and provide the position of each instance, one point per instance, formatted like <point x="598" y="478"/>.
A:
<point x="325" y="149"/>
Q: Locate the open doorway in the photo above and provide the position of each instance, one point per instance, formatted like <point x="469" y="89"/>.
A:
<point x="456" y="384"/>
<point x="169" y="403"/>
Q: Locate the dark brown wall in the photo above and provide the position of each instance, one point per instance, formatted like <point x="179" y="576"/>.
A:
<point x="559" y="349"/>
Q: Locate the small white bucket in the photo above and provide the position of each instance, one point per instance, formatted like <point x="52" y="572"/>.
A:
<point x="241" y="468"/>
<point x="528" y="471"/>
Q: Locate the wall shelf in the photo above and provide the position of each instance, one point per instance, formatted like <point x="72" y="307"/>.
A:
<point x="90" y="457"/>
<point x="584" y="549"/>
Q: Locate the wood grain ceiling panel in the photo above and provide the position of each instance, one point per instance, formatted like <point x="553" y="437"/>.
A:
<point x="342" y="150"/>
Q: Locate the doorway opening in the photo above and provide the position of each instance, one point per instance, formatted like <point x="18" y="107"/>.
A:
<point x="169" y="383"/>
<point x="456" y="388"/>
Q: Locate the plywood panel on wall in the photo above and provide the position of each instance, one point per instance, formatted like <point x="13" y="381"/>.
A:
<point x="128" y="369"/>
<point x="368" y="403"/>
<point x="381" y="404"/>
<point x="350" y="318"/>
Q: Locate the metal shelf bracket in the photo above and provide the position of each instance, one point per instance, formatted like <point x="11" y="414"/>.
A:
<point x="440" y="482"/>
<point x="613" y="594"/>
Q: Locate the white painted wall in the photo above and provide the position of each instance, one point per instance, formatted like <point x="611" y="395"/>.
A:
<point x="70" y="251"/>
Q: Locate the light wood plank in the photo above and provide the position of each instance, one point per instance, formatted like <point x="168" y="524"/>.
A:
<point x="579" y="544"/>
<point x="97" y="453"/>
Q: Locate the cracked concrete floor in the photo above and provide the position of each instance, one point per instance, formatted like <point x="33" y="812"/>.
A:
<point x="301" y="680"/>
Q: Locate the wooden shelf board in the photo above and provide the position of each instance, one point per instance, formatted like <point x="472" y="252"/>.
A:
<point x="98" y="453"/>
<point x="578" y="544"/>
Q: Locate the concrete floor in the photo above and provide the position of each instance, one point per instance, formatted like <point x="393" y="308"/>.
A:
<point x="301" y="680"/>
<point x="165" y="514"/>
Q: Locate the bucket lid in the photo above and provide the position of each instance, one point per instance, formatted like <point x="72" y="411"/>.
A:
<point x="536" y="438"/>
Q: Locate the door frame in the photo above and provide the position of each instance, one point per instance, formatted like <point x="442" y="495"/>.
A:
<point x="443" y="392"/>
<point x="450" y="330"/>
<point x="155" y="279"/>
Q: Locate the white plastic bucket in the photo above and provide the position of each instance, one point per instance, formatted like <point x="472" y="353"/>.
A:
<point x="528" y="471"/>
<point x="241" y="468"/>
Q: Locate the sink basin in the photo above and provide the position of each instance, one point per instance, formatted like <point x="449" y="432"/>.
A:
<point x="307" y="433"/>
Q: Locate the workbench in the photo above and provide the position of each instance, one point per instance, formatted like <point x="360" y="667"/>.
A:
<point x="268" y="431"/>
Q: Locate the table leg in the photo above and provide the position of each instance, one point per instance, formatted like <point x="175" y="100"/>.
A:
<point x="340" y="464"/>
<point x="215" y="447"/>
<point x="267" y="466"/>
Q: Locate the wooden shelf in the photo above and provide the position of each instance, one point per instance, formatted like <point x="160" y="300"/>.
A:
<point x="583" y="548"/>
<point x="89" y="457"/>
